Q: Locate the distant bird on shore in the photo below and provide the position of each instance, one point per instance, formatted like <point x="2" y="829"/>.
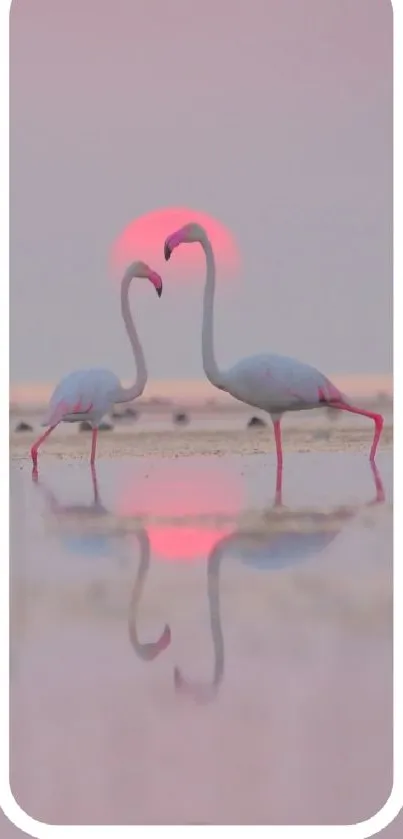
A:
<point x="273" y="383"/>
<point x="181" y="418"/>
<point x="90" y="394"/>
<point x="23" y="426"/>
<point x="256" y="422"/>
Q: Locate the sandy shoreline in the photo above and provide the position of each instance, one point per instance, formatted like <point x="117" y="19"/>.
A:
<point x="123" y="443"/>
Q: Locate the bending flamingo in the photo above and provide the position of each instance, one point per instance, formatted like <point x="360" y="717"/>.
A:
<point x="273" y="383"/>
<point x="90" y="394"/>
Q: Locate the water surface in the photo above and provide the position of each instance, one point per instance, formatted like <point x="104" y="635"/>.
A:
<point x="183" y="650"/>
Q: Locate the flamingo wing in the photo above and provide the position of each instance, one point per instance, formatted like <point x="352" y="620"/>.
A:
<point x="80" y="393"/>
<point x="65" y="408"/>
<point x="300" y="383"/>
<point x="279" y="383"/>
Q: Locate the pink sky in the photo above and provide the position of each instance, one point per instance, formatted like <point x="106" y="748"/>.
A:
<point x="274" y="117"/>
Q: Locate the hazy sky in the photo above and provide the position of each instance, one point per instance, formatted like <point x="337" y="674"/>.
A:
<point x="273" y="115"/>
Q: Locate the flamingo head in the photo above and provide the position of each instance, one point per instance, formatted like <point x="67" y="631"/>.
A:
<point x="202" y="694"/>
<point x="192" y="232"/>
<point x="141" y="269"/>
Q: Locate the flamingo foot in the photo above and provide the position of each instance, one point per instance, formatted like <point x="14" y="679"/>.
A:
<point x="380" y="491"/>
<point x="35" y="447"/>
<point x="34" y="456"/>
<point x="377" y="418"/>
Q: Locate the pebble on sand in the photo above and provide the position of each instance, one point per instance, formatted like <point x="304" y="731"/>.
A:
<point x="181" y="418"/>
<point x="256" y="422"/>
<point x="128" y="413"/>
<point x="86" y="426"/>
<point x="23" y="426"/>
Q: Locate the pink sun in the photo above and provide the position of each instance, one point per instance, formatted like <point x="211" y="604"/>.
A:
<point x="144" y="239"/>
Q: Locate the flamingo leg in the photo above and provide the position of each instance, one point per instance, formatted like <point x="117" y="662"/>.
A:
<point x="35" y="447"/>
<point x="94" y="445"/>
<point x="279" y="450"/>
<point x="380" y="492"/>
<point x="377" y="418"/>
<point x="95" y="484"/>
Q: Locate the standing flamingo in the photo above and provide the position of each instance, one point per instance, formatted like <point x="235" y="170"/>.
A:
<point x="274" y="383"/>
<point x="90" y="394"/>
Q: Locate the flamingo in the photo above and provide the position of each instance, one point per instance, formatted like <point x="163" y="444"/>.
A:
<point x="90" y="394"/>
<point x="274" y="383"/>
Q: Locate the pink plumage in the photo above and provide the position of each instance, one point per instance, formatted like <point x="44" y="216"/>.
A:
<point x="63" y="409"/>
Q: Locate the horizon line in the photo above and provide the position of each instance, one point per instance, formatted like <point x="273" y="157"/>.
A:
<point x="363" y="384"/>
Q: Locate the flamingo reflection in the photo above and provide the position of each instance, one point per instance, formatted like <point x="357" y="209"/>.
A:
<point x="81" y="539"/>
<point x="265" y="550"/>
<point x="147" y="651"/>
<point x="96" y="507"/>
<point x="276" y="545"/>
<point x="102" y="543"/>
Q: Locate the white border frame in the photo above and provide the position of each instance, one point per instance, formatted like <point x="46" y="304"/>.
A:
<point x="395" y="802"/>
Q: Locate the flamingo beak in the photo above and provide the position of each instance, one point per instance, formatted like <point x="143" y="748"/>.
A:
<point x="156" y="281"/>
<point x="167" y="251"/>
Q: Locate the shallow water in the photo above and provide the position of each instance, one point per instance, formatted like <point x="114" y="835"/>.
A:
<point x="182" y="650"/>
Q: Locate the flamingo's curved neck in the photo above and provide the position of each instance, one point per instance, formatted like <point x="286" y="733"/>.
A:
<point x="214" y="375"/>
<point x="126" y="394"/>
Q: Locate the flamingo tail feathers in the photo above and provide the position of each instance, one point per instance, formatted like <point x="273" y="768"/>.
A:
<point x="330" y="393"/>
